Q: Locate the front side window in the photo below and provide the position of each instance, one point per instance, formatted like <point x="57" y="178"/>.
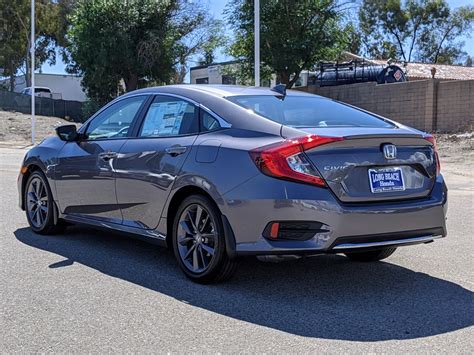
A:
<point x="115" y="121"/>
<point x="303" y="111"/>
<point x="169" y="116"/>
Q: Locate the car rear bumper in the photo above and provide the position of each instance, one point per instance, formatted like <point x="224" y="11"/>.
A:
<point x="346" y="227"/>
<point x="397" y="239"/>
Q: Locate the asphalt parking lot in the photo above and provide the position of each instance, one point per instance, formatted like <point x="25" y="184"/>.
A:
<point x="91" y="291"/>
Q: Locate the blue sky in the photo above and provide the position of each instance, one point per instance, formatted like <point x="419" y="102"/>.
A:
<point x="216" y="8"/>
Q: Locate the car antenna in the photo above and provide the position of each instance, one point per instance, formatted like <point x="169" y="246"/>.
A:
<point x="280" y="89"/>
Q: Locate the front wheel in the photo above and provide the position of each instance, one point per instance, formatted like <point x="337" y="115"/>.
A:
<point x="199" y="242"/>
<point x="373" y="255"/>
<point x="39" y="205"/>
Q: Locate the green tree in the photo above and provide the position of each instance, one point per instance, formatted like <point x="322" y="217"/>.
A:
<point x="215" y="40"/>
<point x="423" y="30"/>
<point x="15" y="34"/>
<point x="137" y="41"/>
<point x="13" y="44"/>
<point x="294" y="35"/>
<point x="442" y="44"/>
<point x="201" y="42"/>
<point x="469" y="61"/>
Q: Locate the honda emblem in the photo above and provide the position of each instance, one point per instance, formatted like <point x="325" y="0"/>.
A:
<point x="389" y="151"/>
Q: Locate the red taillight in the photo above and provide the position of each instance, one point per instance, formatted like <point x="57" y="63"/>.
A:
<point x="432" y="140"/>
<point x="286" y="159"/>
<point x="274" y="230"/>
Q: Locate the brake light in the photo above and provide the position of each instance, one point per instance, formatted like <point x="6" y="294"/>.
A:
<point x="286" y="159"/>
<point x="430" y="138"/>
<point x="274" y="230"/>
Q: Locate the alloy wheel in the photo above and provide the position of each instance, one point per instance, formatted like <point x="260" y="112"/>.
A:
<point x="197" y="238"/>
<point x="37" y="202"/>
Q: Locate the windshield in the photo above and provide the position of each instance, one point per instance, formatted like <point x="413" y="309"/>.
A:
<point x="300" y="111"/>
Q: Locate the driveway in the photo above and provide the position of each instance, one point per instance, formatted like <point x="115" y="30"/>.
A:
<point x="93" y="291"/>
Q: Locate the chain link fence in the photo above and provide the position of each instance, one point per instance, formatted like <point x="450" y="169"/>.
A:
<point x="70" y="110"/>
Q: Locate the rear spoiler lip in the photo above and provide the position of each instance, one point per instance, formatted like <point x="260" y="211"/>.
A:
<point x="288" y="132"/>
<point x="394" y="135"/>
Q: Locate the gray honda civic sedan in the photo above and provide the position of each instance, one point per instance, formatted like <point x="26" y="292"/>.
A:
<point x="220" y="172"/>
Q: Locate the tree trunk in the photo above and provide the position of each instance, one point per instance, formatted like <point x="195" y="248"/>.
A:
<point x="284" y="78"/>
<point x="12" y="82"/>
<point x="182" y="74"/>
<point x="12" y="77"/>
<point x="131" y="83"/>
<point x="293" y="81"/>
<point x="27" y="72"/>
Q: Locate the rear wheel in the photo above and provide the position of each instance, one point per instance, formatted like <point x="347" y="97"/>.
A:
<point x="39" y="205"/>
<point x="373" y="255"/>
<point x="199" y="242"/>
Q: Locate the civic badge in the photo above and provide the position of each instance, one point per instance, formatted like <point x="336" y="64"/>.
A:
<point x="389" y="151"/>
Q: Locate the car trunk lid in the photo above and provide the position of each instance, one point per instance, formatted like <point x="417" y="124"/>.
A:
<point x="356" y="168"/>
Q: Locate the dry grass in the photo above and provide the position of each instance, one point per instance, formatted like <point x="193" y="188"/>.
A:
<point x="15" y="127"/>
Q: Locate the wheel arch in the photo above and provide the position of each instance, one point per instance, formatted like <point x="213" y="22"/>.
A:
<point x="176" y="200"/>
<point x="25" y="176"/>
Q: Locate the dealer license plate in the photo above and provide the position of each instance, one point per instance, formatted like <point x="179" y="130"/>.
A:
<point x="386" y="180"/>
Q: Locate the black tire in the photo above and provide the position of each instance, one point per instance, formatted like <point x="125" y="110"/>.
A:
<point x="210" y="236"/>
<point x="369" y="256"/>
<point x="44" y="224"/>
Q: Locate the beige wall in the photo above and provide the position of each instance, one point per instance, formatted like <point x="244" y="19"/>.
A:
<point x="429" y="105"/>
<point x="455" y="105"/>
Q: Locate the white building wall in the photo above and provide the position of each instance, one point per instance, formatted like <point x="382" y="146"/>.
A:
<point x="214" y="74"/>
<point x="66" y="87"/>
<point x="211" y="72"/>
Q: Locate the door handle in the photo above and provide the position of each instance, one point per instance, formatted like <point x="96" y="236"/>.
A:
<point x="176" y="150"/>
<point x="107" y="155"/>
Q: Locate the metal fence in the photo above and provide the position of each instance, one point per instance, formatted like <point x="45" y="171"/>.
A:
<point x="72" y="110"/>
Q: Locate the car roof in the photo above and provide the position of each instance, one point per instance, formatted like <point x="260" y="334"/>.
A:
<point x="219" y="90"/>
<point x="214" y="98"/>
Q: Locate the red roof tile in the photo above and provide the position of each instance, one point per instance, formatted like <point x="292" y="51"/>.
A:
<point x="423" y="70"/>
<point x="446" y="72"/>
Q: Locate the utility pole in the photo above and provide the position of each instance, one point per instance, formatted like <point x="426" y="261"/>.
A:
<point x="257" y="41"/>
<point x="32" y="42"/>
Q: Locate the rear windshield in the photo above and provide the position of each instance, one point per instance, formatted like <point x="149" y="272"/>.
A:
<point x="299" y="111"/>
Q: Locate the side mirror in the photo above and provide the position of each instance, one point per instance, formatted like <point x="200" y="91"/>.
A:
<point x="67" y="133"/>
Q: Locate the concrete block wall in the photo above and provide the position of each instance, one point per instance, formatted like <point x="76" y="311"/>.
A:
<point x="428" y="105"/>
<point x="455" y="105"/>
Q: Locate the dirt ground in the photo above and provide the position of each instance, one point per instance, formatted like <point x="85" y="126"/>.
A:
<point x="456" y="150"/>
<point x="15" y="128"/>
<point x="457" y="154"/>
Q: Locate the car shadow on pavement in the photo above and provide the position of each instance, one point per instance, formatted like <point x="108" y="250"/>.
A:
<point x="323" y="297"/>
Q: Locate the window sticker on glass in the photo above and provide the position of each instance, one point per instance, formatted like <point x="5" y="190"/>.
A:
<point x="164" y="118"/>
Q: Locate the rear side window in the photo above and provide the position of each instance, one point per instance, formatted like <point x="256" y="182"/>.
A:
<point x="169" y="116"/>
<point x="299" y="111"/>
<point x="208" y="123"/>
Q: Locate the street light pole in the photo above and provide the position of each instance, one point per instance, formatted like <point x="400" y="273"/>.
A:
<point x="32" y="52"/>
<point x="257" y="41"/>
